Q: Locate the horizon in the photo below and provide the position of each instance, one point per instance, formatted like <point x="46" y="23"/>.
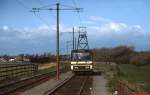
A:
<point x="65" y="53"/>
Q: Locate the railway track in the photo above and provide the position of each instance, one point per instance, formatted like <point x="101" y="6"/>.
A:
<point x="77" y="85"/>
<point x="16" y="88"/>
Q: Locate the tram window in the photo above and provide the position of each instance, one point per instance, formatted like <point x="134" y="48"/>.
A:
<point x="81" y="56"/>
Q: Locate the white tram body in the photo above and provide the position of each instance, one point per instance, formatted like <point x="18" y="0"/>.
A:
<point x="81" y="60"/>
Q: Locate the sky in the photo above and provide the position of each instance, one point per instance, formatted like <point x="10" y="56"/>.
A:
<point x="109" y="23"/>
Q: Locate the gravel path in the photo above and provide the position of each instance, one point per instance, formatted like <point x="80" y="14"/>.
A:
<point x="99" y="86"/>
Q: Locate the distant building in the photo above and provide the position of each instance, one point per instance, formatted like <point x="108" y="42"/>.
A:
<point x="18" y="59"/>
<point x="26" y="59"/>
<point x="12" y="60"/>
<point x="3" y="59"/>
<point x="21" y="59"/>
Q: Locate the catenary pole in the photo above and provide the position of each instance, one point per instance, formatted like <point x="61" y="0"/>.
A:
<point x="57" y="30"/>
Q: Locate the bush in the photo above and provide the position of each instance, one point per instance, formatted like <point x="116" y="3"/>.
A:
<point x="140" y="59"/>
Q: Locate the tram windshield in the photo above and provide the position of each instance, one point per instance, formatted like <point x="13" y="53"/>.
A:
<point x="78" y="56"/>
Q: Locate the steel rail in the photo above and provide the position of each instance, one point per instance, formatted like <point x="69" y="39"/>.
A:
<point x="27" y="83"/>
<point x="58" y="86"/>
<point x="82" y="85"/>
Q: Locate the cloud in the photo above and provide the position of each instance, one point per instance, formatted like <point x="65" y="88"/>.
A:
<point x="98" y="18"/>
<point x="88" y="22"/>
<point x="116" y="27"/>
<point x="5" y="27"/>
<point x="105" y="25"/>
<point x="31" y="40"/>
<point x="108" y="33"/>
<point x="91" y="20"/>
<point x="31" y="33"/>
<point x="43" y="38"/>
<point x="62" y="28"/>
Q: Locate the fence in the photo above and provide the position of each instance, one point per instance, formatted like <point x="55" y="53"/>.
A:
<point x="126" y="88"/>
<point x="17" y="70"/>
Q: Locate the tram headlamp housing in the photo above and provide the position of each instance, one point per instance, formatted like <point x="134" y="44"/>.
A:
<point x="91" y="67"/>
<point x="71" y="67"/>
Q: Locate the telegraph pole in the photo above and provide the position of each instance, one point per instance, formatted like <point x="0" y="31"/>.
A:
<point x="73" y="37"/>
<point x="57" y="50"/>
<point x="67" y="46"/>
<point x="75" y="44"/>
<point x="57" y="28"/>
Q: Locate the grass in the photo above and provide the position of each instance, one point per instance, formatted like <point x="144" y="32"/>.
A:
<point x="51" y="69"/>
<point x="132" y="73"/>
<point x="136" y="74"/>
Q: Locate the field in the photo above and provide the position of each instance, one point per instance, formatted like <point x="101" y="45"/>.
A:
<point x="132" y="73"/>
<point x="136" y="74"/>
<point x="46" y="65"/>
<point x="50" y="67"/>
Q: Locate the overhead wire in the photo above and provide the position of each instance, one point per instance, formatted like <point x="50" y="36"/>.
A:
<point x="28" y="8"/>
<point x="43" y="20"/>
<point x="46" y="7"/>
<point x="79" y="16"/>
<point x="22" y="4"/>
<point x="39" y="1"/>
<point x="58" y="1"/>
<point x="67" y="6"/>
<point x="40" y="18"/>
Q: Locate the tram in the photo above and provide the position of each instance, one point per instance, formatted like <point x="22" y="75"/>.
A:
<point x="81" y="60"/>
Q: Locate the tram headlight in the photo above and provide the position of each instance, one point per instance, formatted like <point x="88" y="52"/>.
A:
<point x="71" y="67"/>
<point x="91" y="67"/>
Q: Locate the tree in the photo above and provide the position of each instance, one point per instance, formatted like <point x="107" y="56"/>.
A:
<point x="120" y="54"/>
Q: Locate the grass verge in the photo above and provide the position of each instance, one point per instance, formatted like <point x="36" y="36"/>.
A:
<point x="136" y="74"/>
<point x="53" y="68"/>
<point x="108" y="70"/>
